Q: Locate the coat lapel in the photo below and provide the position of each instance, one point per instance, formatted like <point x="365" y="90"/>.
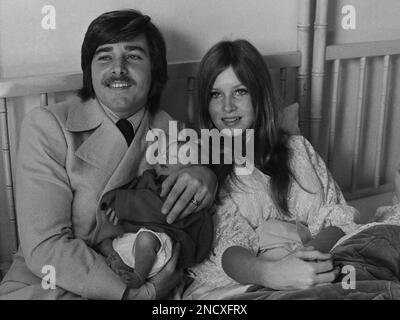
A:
<point x="104" y="148"/>
<point x="103" y="145"/>
<point x="133" y="162"/>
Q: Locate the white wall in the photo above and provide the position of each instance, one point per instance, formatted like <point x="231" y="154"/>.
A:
<point x="376" y="20"/>
<point x="190" y="28"/>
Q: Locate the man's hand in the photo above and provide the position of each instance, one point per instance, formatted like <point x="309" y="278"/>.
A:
<point x="189" y="190"/>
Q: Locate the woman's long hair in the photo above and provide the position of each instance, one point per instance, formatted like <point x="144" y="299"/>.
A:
<point x="271" y="154"/>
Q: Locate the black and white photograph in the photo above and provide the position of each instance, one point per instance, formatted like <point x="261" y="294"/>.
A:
<point x="221" y="151"/>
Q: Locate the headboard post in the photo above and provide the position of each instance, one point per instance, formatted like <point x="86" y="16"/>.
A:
<point x="44" y="99"/>
<point x="359" y="123"/>
<point x="283" y="82"/>
<point x="318" y="72"/>
<point x="333" y="111"/>
<point x="304" y="41"/>
<point x="5" y="149"/>
<point x="382" y="119"/>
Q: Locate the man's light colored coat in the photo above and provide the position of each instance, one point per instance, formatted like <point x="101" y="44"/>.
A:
<point x="70" y="154"/>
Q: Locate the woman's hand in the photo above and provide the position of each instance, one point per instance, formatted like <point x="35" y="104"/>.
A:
<point x="300" y="270"/>
<point x="186" y="188"/>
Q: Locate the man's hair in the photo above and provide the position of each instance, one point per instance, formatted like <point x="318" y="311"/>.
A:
<point x="119" y="26"/>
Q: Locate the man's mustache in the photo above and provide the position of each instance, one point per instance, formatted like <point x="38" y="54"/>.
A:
<point x="107" y="81"/>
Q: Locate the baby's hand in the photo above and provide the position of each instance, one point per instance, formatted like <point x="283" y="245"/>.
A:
<point x="112" y="217"/>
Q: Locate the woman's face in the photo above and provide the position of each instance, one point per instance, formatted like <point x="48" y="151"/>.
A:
<point x="230" y="105"/>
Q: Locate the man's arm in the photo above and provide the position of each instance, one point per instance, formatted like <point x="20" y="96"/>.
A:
<point x="44" y="198"/>
<point x="197" y="183"/>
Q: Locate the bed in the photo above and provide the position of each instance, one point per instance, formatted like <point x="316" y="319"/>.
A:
<point x="314" y="76"/>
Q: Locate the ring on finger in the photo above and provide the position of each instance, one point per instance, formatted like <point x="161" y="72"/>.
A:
<point x="195" y="202"/>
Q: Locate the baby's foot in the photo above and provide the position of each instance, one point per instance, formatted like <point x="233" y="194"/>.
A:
<point x="115" y="262"/>
<point x="131" y="279"/>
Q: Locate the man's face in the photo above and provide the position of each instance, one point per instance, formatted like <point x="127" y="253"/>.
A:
<point x="121" y="75"/>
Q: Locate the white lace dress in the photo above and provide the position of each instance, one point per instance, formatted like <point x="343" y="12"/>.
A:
<point x="314" y="199"/>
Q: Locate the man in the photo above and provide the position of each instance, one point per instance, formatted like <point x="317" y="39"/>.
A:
<point x="72" y="153"/>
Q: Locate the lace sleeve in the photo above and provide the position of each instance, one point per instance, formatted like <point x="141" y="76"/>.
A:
<point x="231" y="229"/>
<point x="334" y="210"/>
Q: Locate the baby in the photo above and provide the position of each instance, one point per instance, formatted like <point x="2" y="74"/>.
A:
<point x="278" y="239"/>
<point x="146" y="245"/>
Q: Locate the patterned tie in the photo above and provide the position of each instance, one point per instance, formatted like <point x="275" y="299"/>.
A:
<point x="126" y="128"/>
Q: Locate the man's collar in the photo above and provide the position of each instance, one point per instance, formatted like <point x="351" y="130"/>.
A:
<point x="114" y="118"/>
<point x="85" y="116"/>
<point x="134" y="119"/>
<point x="88" y="115"/>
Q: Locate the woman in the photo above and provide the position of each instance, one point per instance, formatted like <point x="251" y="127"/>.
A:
<point x="290" y="182"/>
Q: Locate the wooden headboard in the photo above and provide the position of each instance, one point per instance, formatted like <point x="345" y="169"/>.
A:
<point x="386" y="52"/>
